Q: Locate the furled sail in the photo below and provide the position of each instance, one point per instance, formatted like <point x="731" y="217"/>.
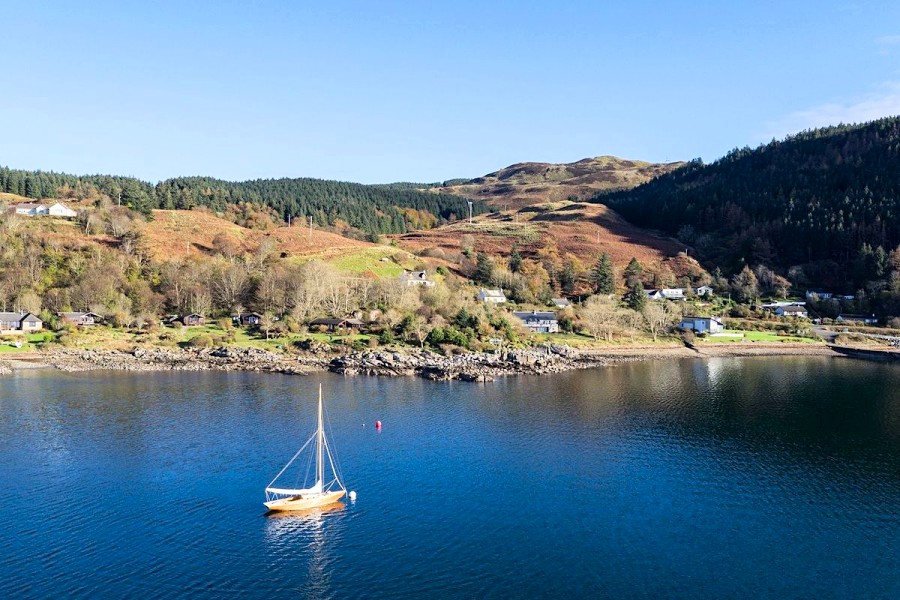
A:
<point x="316" y="489"/>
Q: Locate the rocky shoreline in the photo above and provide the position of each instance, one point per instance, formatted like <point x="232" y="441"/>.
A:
<point x="396" y="363"/>
<point x="165" y="359"/>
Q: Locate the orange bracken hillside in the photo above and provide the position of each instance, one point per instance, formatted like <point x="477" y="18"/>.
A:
<point x="179" y="233"/>
<point x="582" y="229"/>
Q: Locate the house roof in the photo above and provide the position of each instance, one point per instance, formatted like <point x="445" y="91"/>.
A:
<point x="792" y="309"/>
<point x="30" y="205"/>
<point x="20" y="317"/>
<point x="717" y="320"/>
<point x="535" y="315"/>
<point x="560" y="301"/>
<point x="492" y="293"/>
<point x="11" y="316"/>
<point x="77" y="315"/>
<point x="330" y="321"/>
<point x="415" y="275"/>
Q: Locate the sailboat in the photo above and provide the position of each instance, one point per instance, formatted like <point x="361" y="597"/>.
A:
<point x="321" y="493"/>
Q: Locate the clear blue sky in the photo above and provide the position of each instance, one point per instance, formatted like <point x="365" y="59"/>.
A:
<point x="422" y="91"/>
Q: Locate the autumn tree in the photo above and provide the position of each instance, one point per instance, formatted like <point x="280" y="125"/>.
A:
<point x="598" y="316"/>
<point x="745" y="285"/>
<point x="659" y="316"/>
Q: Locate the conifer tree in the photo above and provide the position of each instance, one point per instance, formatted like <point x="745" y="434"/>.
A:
<point x="602" y="276"/>
<point x="484" y="268"/>
<point x="636" y="298"/>
<point x="633" y="272"/>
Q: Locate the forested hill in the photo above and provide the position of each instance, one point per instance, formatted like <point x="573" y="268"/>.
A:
<point x="372" y="208"/>
<point x="820" y="196"/>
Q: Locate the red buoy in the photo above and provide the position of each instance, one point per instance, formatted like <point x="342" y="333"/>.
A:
<point x="377" y="424"/>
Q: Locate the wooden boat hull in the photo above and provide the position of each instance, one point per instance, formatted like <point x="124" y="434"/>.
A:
<point x="294" y="503"/>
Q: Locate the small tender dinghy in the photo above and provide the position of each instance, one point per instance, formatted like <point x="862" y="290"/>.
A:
<point x="321" y="493"/>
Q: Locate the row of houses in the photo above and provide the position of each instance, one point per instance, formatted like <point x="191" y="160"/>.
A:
<point x="35" y="209"/>
<point x="823" y="295"/>
<point x="496" y="296"/>
<point x="26" y="322"/>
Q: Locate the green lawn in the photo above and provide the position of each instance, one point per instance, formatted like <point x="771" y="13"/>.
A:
<point x="32" y="342"/>
<point x="370" y="260"/>
<point x="755" y="336"/>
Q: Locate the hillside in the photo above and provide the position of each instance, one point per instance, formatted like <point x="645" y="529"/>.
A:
<point x="578" y="229"/>
<point x="527" y="183"/>
<point x="820" y="201"/>
<point x="179" y="234"/>
<point x="176" y="235"/>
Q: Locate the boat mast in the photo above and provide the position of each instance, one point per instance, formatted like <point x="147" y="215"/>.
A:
<point x="320" y="458"/>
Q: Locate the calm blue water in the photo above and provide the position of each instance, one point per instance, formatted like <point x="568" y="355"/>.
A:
<point x="729" y="478"/>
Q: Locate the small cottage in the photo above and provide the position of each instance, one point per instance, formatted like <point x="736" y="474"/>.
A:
<point x="798" y="312"/>
<point x="560" y="302"/>
<point x="862" y="319"/>
<point x="420" y="278"/>
<point x="80" y="319"/>
<point x="61" y="210"/>
<point x="250" y="319"/>
<point x="491" y="296"/>
<point x="337" y="325"/>
<point x="193" y="320"/>
<point x="31" y="209"/>
<point x="13" y="322"/>
<point x="702" y="324"/>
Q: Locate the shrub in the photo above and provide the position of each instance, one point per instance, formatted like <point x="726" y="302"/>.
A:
<point x="201" y="341"/>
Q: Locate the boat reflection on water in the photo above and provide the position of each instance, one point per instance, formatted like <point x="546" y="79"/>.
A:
<point x="310" y="515"/>
<point x="312" y="534"/>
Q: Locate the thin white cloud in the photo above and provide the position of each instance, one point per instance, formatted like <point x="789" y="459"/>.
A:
<point x="884" y="102"/>
<point x="888" y="40"/>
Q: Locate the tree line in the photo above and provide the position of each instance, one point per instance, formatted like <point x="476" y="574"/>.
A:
<point x="374" y="209"/>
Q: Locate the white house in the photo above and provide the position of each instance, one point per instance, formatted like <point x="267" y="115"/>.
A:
<point x="34" y="209"/>
<point x="31" y="209"/>
<point x="791" y="311"/>
<point x="703" y="290"/>
<point x="828" y="295"/>
<point x="416" y="278"/>
<point x="773" y="305"/>
<point x="666" y="294"/>
<point x="702" y="324"/>
<point x="560" y="302"/>
<point x="539" y="322"/>
<point x="864" y="319"/>
<point x="491" y="296"/>
<point x="61" y="210"/>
